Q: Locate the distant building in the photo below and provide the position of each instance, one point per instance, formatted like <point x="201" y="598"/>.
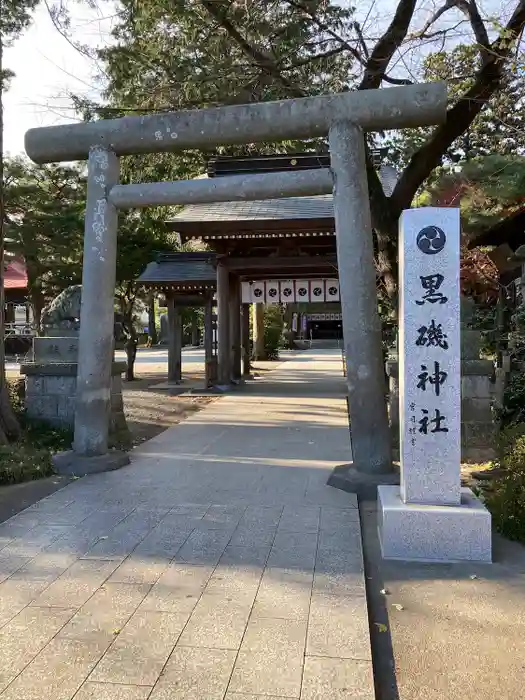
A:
<point x="17" y="310"/>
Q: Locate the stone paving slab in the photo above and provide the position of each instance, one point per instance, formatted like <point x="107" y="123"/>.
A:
<point x="217" y="566"/>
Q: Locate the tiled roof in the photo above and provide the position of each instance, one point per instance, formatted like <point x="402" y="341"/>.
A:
<point x="180" y="268"/>
<point x="291" y="208"/>
<point x="320" y="207"/>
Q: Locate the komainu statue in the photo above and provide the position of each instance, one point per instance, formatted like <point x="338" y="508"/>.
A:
<point x="63" y="313"/>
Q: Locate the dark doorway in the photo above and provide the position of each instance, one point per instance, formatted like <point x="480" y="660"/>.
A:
<point x="325" y="330"/>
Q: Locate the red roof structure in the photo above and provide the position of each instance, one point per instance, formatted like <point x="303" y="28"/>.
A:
<point x="15" y="275"/>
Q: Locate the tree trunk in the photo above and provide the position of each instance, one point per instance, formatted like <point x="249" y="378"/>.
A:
<point x="128" y="327"/>
<point x="37" y="306"/>
<point x="152" y="327"/>
<point x="9" y="428"/>
<point x="131" y="355"/>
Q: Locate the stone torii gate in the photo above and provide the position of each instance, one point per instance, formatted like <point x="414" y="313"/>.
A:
<point x="343" y="117"/>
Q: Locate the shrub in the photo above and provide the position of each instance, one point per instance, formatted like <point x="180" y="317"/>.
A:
<point x="30" y="457"/>
<point x="273" y="331"/>
<point x="506" y="495"/>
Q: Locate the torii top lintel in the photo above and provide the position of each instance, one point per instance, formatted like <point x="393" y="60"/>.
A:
<point x="308" y="117"/>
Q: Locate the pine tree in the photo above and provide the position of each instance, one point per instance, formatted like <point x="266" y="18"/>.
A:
<point x="15" y="16"/>
<point x="44" y="212"/>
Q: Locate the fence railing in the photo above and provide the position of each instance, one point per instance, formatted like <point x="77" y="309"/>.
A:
<point x="25" y="329"/>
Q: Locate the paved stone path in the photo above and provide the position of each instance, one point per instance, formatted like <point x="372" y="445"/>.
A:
<point x="218" y="566"/>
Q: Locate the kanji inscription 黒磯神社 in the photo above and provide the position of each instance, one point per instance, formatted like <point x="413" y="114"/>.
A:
<point x="429" y="348"/>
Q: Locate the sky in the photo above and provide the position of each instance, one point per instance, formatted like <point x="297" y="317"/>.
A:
<point x="47" y="68"/>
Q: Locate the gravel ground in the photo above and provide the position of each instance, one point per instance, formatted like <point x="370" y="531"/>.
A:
<point x="150" y="411"/>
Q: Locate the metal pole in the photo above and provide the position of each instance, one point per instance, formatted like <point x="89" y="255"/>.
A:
<point x="223" y="322"/>
<point x="96" y="339"/>
<point x="174" y="342"/>
<point x="371" y="445"/>
<point x="235" y="326"/>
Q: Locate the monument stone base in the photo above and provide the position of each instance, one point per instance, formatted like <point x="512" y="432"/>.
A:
<point x="347" y="477"/>
<point x="72" y="464"/>
<point x="427" y="533"/>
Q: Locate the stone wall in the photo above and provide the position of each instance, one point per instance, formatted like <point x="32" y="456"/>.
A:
<point x="51" y="386"/>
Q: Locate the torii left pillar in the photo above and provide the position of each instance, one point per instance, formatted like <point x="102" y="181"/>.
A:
<point x="96" y="342"/>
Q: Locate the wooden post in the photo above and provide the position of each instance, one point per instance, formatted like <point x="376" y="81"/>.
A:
<point x="208" y="343"/>
<point x="223" y="322"/>
<point x="245" y="333"/>
<point x="235" y="327"/>
<point x="174" y="341"/>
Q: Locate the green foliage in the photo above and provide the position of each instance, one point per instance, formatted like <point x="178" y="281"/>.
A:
<point x="173" y="54"/>
<point x="484" y="320"/>
<point x="505" y="498"/>
<point x="30" y="457"/>
<point x="499" y="129"/>
<point x="141" y="236"/>
<point x="15" y="16"/>
<point x="273" y="330"/>
<point x="512" y="410"/>
<point x="180" y="54"/>
<point x="491" y="187"/>
<point x="44" y="211"/>
<point x="44" y="214"/>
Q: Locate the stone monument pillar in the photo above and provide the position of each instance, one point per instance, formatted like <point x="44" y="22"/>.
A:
<point x="477" y="395"/>
<point x="430" y="517"/>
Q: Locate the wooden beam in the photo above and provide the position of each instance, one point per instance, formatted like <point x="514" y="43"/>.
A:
<point x="247" y="227"/>
<point x="277" y="263"/>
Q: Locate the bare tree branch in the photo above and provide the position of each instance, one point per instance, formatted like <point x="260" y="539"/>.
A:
<point x="449" y="4"/>
<point x="397" y="81"/>
<point x="461" y="115"/>
<point x="316" y="57"/>
<point x="377" y="64"/>
<point x="470" y="9"/>
<point x="325" y="28"/>
<point x="442" y="33"/>
<point x="361" y="58"/>
<point x="364" y="47"/>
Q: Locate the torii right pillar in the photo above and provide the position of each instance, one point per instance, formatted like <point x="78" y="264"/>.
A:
<point x="371" y="443"/>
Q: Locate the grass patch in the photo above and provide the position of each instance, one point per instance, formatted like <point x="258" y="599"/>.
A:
<point x="30" y="457"/>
